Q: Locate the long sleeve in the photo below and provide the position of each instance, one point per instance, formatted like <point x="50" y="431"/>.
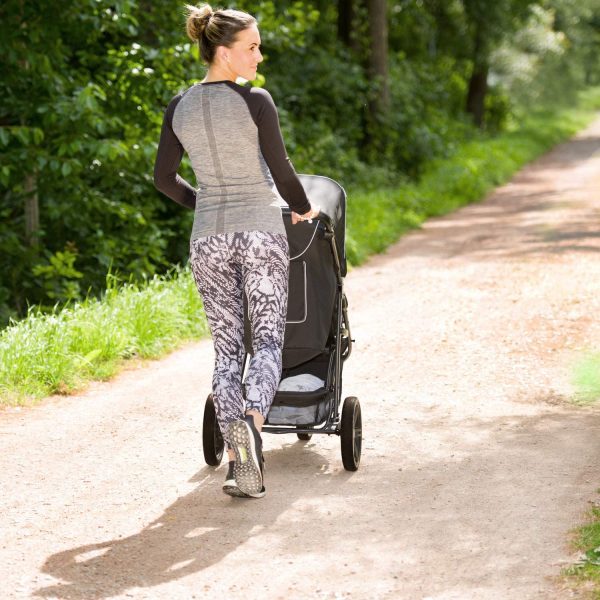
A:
<point x="168" y="158"/>
<point x="275" y="155"/>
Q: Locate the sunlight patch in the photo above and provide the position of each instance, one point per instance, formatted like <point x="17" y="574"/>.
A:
<point x="90" y="554"/>
<point x="198" y="531"/>
<point x="180" y="565"/>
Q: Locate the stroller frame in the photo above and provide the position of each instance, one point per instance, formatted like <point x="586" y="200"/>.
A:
<point x="343" y="349"/>
<point x="328" y="350"/>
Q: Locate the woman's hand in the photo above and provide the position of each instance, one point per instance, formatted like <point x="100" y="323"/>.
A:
<point x="309" y="216"/>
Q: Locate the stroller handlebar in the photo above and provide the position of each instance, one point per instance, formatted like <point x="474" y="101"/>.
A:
<point x="322" y="216"/>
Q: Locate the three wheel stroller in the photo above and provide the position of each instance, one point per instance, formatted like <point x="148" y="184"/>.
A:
<point x="317" y="335"/>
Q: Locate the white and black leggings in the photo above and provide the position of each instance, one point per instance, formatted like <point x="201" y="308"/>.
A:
<point x="224" y="267"/>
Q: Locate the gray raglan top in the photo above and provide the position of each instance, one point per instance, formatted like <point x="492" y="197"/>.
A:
<point x="231" y="134"/>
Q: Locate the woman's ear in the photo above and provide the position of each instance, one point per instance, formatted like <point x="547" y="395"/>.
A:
<point x="223" y="54"/>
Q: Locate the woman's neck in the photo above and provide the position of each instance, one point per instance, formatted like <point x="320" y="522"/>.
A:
<point x="217" y="73"/>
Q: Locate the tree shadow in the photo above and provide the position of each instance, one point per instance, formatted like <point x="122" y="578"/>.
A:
<point x="510" y="224"/>
<point x="566" y="154"/>
<point x="521" y="219"/>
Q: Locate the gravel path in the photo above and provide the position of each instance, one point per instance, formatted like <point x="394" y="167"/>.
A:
<point x="475" y="466"/>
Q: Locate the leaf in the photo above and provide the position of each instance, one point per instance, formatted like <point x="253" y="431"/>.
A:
<point x="66" y="169"/>
<point x="38" y="135"/>
<point x="90" y="356"/>
<point x="22" y="134"/>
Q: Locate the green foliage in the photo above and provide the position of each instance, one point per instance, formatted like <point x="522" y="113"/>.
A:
<point x="60" y="275"/>
<point x="80" y="112"/>
<point x="85" y="84"/>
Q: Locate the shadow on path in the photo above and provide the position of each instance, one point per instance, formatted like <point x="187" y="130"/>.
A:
<point x="482" y="505"/>
<point x="195" y="532"/>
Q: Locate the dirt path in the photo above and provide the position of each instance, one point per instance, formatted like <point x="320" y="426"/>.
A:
<point x="474" y="466"/>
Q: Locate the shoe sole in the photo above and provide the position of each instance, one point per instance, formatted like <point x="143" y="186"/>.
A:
<point x="234" y="491"/>
<point x="247" y="468"/>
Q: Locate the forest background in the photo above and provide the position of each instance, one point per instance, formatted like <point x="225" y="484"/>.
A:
<point x="369" y="92"/>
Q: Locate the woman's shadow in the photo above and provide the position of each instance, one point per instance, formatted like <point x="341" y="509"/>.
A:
<point x="195" y="532"/>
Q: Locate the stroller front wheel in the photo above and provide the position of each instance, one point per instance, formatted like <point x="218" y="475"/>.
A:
<point x="351" y="433"/>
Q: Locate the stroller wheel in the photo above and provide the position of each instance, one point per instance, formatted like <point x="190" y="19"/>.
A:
<point x="304" y="436"/>
<point x="351" y="433"/>
<point x="212" y="440"/>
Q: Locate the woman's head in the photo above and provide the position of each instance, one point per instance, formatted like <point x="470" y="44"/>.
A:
<point x="227" y="38"/>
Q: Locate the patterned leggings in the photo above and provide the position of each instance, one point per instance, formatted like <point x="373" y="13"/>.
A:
<point x="224" y="267"/>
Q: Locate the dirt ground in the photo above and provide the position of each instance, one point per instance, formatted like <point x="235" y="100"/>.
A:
<point x="475" y="465"/>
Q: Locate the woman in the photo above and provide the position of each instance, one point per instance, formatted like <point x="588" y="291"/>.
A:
<point x="238" y="243"/>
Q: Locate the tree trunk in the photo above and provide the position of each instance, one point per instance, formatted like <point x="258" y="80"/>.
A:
<point x="348" y="32"/>
<point x="377" y="67"/>
<point x="32" y="212"/>
<point x="32" y="208"/>
<point x="476" y="95"/>
<point x="344" y="22"/>
<point x="478" y="82"/>
<point x="378" y="56"/>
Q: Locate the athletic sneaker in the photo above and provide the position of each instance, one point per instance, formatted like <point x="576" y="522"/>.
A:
<point x="248" y="467"/>
<point x="230" y="487"/>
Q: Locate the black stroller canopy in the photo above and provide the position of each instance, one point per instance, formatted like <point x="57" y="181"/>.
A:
<point x="330" y="197"/>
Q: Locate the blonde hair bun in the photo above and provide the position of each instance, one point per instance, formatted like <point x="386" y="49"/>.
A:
<point x="213" y="28"/>
<point x="197" y="20"/>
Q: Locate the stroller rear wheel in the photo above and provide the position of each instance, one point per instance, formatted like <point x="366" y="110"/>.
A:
<point x="351" y="433"/>
<point x="212" y="440"/>
<point x="305" y="437"/>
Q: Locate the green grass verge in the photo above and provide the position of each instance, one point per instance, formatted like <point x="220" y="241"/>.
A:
<point x="585" y="575"/>
<point x="45" y="354"/>
<point x="586" y="379"/>
<point x="50" y="353"/>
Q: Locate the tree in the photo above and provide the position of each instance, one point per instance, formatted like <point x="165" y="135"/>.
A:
<point x="378" y="72"/>
<point x="488" y="23"/>
<point x="79" y="112"/>
<point x="345" y="19"/>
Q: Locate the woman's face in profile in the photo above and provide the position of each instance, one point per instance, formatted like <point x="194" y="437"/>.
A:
<point x="244" y="55"/>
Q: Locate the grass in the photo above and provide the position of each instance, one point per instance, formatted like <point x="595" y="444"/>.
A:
<point x="585" y="574"/>
<point x="46" y="354"/>
<point x="57" y="353"/>
<point x="586" y="379"/>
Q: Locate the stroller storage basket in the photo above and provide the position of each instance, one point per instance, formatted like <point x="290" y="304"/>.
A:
<point x="300" y="408"/>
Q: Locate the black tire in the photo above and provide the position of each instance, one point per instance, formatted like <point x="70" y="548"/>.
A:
<point x="212" y="440"/>
<point x="351" y="433"/>
<point x="305" y="437"/>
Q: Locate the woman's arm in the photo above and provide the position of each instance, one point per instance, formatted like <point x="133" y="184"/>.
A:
<point x="275" y="155"/>
<point x="168" y="159"/>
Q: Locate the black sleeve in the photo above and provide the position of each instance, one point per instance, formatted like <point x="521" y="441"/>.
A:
<point x="168" y="159"/>
<point x="273" y="149"/>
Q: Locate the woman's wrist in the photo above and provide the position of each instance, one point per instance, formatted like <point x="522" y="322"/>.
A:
<point x="311" y="214"/>
<point x="307" y="216"/>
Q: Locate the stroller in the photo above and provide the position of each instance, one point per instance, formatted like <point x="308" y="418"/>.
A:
<point x="317" y="335"/>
